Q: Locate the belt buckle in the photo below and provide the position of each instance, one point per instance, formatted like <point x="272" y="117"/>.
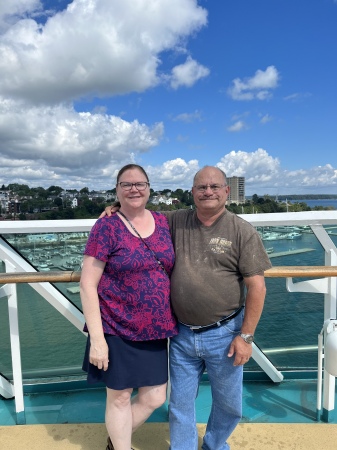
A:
<point x="196" y="327"/>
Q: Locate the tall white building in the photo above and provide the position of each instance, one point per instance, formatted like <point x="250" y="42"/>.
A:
<point x="4" y="199"/>
<point x="237" y="190"/>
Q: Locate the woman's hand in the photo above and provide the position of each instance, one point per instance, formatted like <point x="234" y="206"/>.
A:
<point x="99" y="354"/>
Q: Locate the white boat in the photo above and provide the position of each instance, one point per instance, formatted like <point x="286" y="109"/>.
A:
<point x="294" y="235"/>
<point x="286" y="229"/>
<point x="272" y="236"/>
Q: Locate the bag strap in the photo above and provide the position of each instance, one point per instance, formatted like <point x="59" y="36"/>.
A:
<point x="144" y="242"/>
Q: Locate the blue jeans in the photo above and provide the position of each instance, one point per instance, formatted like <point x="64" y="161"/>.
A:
<point x="190" y="354"/>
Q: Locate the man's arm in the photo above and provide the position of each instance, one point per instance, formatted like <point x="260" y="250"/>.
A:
<point x="256" y="292"/>
<point x="109" y="210"/>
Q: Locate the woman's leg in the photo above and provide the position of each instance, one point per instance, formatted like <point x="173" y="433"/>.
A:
<point x="118" y="418"/>
<point x="145" y="402"/>
<point x="123" y="415"/>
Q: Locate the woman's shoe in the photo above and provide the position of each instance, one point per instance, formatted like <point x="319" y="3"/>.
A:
<point x="111" y="447"/>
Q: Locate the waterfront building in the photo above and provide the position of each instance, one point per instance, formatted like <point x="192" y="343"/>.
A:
<point x="237" y="190"/>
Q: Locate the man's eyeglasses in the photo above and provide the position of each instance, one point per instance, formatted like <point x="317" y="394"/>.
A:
<point x="140" y="185"/>
<point x="213" y="187"/>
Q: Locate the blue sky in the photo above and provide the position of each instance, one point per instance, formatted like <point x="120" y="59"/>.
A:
<point x="248" y="85"/>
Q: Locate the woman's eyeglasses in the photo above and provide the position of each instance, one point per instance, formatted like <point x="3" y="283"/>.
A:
<point x="140" y="185"/>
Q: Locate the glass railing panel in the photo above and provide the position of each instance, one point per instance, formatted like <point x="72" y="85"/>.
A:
<point x="289" y="326"/>
<point x="287" y="331"/>
<point x="50" y="251"/>
<point x="291" y="322"/>
<point x="50" y="345"/>
<point x="5" y="345"/>
<point x="53" y="251"/>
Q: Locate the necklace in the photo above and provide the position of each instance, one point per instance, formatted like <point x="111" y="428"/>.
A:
<point x="144" y="242"/>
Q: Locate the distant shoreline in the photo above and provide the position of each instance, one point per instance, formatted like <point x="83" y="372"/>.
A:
<point x="297" y="197"/>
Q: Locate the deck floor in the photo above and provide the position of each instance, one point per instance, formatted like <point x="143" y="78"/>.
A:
<point x="155" y="436"/>
<point x="275" y="416"/>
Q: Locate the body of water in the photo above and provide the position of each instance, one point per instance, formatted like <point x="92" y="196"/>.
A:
<point x="289" y="320"/>
<point x="325" y="202"/>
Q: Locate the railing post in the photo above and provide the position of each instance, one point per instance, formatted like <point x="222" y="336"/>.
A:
<point x="330" y="311"/>
<point x="15" y="349"/>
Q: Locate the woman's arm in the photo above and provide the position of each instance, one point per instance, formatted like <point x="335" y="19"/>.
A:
<point x="92" y="271"/>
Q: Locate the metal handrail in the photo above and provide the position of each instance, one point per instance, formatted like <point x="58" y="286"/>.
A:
<point x="301" y="271"/>
<point x="65" y="276"/>
<point x="72" y="276"/>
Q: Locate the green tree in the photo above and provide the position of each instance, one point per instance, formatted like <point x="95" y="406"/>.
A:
<point x="39" y="192"/>
<point x="166" y="191"/>
<point x="24" y="207"/>
<point x="255" y="198"/>
<point x="68" y="213"/>
<point x="58" y="201"/>
<point x="55" y="190"/>
<point x="178" y="193"/>
<point x="187" y="198"/>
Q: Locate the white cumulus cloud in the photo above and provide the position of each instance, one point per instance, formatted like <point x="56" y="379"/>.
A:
<point x="49" y="59"/>
<point x="239" y="125"/>
<point x="102" y="47"/>
<point x="173" y="174"/>
<point x="257" y="87"/>
<point x="70" y="142"/>
<point x="188" y="73"/>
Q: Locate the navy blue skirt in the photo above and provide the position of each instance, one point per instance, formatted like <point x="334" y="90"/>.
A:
<point x="132" y="364"/>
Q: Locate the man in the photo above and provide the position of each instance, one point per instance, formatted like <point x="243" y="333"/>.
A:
<point x="217" y="293"/>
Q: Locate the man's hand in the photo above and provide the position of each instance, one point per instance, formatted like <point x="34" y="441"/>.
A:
<point x="109" y="210"/>
<point x="241" y="350"/>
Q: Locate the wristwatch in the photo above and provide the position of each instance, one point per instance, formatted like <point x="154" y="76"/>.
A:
<point x="249" y="338"/>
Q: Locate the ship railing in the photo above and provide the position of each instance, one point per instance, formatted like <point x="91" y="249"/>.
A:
<point x="15" y="265"/>
<point x="9" y="280"/>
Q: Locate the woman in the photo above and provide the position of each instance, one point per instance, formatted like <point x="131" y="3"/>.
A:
<point x="125" y="292"/>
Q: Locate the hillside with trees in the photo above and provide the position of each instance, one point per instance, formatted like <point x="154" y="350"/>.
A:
<point x="21" y="202"/>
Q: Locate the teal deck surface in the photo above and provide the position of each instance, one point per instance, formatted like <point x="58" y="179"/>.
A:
<point x="291" y="401"/>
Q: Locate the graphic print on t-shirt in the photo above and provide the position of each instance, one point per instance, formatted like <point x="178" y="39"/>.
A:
<point x="220" y="245"/>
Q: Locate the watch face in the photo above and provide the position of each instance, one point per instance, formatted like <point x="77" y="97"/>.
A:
<point x="249" y="338"/>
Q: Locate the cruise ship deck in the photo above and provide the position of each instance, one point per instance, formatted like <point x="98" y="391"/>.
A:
<point x="289" y="387"/>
